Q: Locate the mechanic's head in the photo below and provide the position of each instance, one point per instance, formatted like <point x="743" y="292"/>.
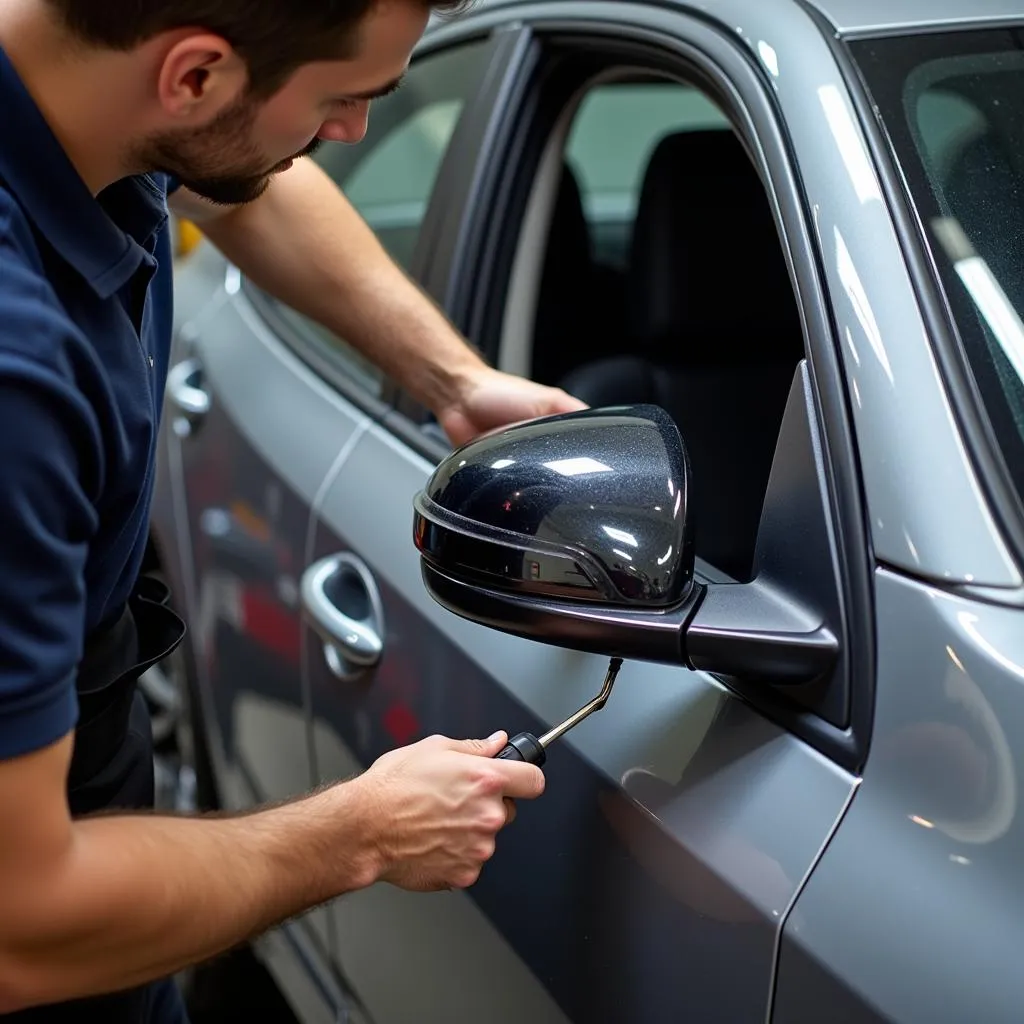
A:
<point x="235" y="89"/>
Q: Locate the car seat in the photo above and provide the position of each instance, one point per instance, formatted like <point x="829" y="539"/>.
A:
<point x="714" y="331"/>
<point x="567" y="318"/>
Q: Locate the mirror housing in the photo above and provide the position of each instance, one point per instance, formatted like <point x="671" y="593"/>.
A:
<point x="575" y="530"/>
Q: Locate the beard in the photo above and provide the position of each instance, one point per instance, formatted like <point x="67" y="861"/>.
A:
<point x="219" y="161"/>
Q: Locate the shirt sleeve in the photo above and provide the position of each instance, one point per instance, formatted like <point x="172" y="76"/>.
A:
<point x="48" y="467"/>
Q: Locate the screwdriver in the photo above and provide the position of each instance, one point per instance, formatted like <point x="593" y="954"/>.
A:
<point x="527" y="747"/>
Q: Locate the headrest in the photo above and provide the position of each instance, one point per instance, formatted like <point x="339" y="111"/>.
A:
<point x="708" y="280"/>
<point x="569" y="236"/>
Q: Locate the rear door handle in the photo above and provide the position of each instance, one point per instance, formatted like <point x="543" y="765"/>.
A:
<point x="186" y="392"/>
<point x="343" y="605"/>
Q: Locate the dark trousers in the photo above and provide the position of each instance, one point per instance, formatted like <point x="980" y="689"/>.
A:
<point x="158" y="1003"/>
<point x="164" y="1004"/>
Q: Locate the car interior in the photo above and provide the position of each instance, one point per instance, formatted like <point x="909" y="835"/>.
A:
<point x="683" y="300"/>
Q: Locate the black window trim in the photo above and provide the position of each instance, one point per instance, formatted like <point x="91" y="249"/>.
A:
<point x="983" y="448"/>
<point x="718" y="62"/>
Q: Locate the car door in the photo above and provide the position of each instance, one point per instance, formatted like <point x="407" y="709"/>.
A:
<point x="651" y="880"/>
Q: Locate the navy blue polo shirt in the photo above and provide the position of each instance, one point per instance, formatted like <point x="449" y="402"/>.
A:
<point x="85" y="328"/>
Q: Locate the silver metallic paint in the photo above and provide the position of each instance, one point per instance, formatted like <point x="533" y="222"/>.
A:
<point x="917" y="907"/>
<point x="877" y="16"/>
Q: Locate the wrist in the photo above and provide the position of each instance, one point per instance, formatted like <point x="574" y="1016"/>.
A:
<point x="448" y="380"/>
<point x="367" y="835"/>
<point x="349" y="826"/>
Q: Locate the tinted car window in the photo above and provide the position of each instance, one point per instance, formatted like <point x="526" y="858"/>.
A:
<point x="954" y="110"/>
<point x="613" y="135"/>
<point x="389" y="176"/>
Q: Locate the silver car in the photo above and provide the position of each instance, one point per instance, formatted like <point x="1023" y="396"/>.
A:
<point x="797" y="228"/>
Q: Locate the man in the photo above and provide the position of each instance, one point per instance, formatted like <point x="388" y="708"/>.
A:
<point x="103" y="106"/>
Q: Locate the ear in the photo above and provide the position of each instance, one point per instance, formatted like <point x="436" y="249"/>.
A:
<point x="201" y="74"/>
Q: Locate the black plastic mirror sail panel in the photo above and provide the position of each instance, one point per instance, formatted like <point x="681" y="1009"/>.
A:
<point x="585" y="507"/>
<point x="753" y="631"/>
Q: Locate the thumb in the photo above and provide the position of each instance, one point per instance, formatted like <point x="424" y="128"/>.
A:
<point x="483" y="748"/>
<point x="458" y="426"/>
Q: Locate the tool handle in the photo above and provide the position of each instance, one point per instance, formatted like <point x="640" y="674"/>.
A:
<point x="524" y="747"/>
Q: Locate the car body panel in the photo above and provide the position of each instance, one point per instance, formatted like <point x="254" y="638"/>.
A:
<point x="644" y="905"/>
<point x="875" y="16"/>
<point x="929" y="854"/>
<point x="859" y="17"/>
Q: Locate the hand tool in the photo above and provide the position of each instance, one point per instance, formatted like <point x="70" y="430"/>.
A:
<point x="527" y="747"/>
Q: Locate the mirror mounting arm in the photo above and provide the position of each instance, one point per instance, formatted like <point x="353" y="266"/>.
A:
<point x="756" y="632"/>
<point x="746" y="631"/>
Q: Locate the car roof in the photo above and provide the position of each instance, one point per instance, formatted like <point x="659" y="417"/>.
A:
<point x="854" y="17"/>
<point x="861" y="16"/>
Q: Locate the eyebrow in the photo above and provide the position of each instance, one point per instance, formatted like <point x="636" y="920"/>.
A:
<point x="379" y="93"/>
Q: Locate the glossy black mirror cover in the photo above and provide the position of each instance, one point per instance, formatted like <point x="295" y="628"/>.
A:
<point x="589" y="506"/>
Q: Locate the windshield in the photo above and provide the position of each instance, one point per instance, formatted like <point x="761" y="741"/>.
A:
<point x="953" y="107"/>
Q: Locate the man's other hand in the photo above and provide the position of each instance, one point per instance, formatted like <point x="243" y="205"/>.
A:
<point x="490" y="399"/>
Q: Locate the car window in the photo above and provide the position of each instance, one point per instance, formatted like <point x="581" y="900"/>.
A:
<point x="613" y="135"/>
<point x="954" y="110"/>
<point x="390" y="176"/>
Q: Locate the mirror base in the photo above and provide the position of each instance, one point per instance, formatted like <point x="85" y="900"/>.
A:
<point x="754" y="632"/>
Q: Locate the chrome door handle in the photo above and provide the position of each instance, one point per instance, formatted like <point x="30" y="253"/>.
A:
<point x="185" y="390"/>
<point x="343" y="605"/>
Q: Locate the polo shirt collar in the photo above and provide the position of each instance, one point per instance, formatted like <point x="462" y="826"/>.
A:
<point x="102" y="238"/>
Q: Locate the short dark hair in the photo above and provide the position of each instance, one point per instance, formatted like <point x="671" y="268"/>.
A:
<point x="274" y="37"/>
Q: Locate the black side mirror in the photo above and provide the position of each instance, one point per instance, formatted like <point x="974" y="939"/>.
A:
<point x="575" y="530"/>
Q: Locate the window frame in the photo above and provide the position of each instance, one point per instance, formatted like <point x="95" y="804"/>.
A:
<point x="686" y="46"/>
<point x="334" y="367"/>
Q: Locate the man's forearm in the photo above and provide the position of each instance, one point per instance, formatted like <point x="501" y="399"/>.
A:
<point x="137" y="898"/>
<point x="331" y="267"/>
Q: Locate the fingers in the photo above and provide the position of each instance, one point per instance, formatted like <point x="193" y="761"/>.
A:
<point x="483" y="748"/>
<point x="510" y="812"/>
<point x="520" y="781"/>
<point x="562" y="401"/>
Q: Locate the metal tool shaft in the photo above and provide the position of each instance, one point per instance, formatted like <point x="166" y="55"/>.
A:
<point x="584" y="712"/>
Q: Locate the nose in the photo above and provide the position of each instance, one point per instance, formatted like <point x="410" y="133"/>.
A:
<point x="349" y="126"/>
